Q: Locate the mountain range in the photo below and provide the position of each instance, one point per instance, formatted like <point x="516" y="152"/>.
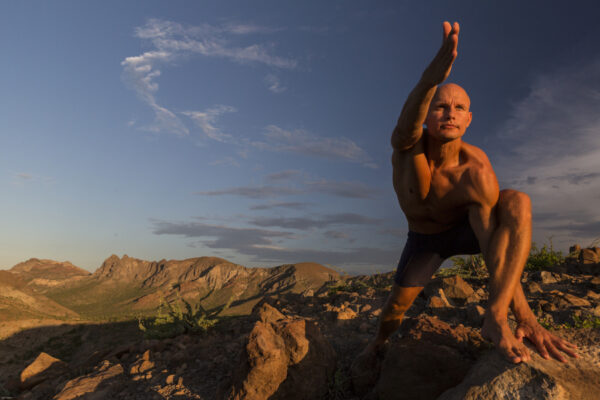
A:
<point x="125" y="286"/>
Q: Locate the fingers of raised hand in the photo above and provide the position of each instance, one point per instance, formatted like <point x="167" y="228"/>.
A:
<point x="446" y="29"/>
<point x="455" y="28"/>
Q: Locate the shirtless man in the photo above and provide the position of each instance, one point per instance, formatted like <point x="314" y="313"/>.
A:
<point x="450" y="196"/>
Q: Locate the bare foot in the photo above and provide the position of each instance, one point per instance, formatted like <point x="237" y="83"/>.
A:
<point x="504" y="340"/>
<point x="365" y="368"/>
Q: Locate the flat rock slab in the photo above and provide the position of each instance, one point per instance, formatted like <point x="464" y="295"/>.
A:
<point x="491" y="378"/>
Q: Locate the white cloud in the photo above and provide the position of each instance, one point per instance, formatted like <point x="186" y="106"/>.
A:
<point x="24" y="176"/>
<point x="206" y="121"/>
<point x="173" y="41"/>
<point x="555" y="132"/>
<point x="274" y="84"/>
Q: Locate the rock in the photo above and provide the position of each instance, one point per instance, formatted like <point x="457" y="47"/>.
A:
<point x="364" y="327"/>
<point x="365" y="308"/>
<point x="280" y="358"/>
<point x="429" y="359"/>
<point x="346" y="314"/>
<point x="592" y="295"/>
<point x="475" y="314"/>
<point x="596" y="311"/>
<point x="547" y="277"/>
<point x="42" y="368"/>
<point x="456" y="289"/>
<point x="574" y="249"/>
<point x="268" y="313"/>
<point x="492" y="377"/>
<point x="534" y="288"/>
<point x="438" y="300"/>
<point x="95" y="385"/>
<point x="142" y="365"/>
<point x="589" y="256"/>
<point x="575" y="301"/>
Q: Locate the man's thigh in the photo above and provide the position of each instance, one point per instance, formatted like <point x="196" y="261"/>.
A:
<point x="416" y="269"/>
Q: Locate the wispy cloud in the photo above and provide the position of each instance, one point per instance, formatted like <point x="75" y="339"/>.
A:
<point x="348" y="189"/>
<point x="303" y="142"/>
<point x="305" y="223"/>
<point x="284" y="175"/>
<point x="555" y="156"/>
<point x="264" y="246"/>
<point x="253" y="192"/>
<point x="274" y="84"/>
<point x="171" y="42"/>
<point x="206" y="121"/>
<point x="225" y="161"/>
<point x="241" y="239"/>
<point x="351" y="190"/>
<point x="24" y="176"/>
<point x="294" y="205"/>
<point x="336" y="235"/>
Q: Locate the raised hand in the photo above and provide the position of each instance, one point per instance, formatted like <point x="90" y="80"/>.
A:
<point x="439" y="68"/>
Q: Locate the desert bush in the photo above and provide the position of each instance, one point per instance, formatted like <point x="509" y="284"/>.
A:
<point x="179" y="317"/>
<point x="469" y="267"/>
<point x="544" y="257"/>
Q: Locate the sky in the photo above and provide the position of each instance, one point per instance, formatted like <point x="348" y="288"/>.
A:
<point x="259" y="131"/>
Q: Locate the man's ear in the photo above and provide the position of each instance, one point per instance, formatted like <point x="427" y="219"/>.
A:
<point x="470" y="118"/>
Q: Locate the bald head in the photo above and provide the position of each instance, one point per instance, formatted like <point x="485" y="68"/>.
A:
<point x="448" y="116"/>
<point x="452" y="90"/>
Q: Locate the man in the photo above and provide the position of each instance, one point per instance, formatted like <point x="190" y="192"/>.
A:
<point x="450" y="196"/>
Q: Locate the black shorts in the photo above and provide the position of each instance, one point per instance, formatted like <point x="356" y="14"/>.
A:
<point x="459" y="239"/>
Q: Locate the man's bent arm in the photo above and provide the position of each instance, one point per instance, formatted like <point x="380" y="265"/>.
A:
<point x="409" y="128"/>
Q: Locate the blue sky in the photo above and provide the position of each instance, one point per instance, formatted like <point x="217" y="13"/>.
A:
<point x="258" y="131"/>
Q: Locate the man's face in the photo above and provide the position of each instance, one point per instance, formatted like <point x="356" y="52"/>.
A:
<point x="449" y="115"/>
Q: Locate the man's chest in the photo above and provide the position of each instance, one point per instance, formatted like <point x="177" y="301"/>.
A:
<point x="447" y="196"/>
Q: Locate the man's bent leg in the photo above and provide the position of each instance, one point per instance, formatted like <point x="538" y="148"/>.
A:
<point x="402" y="297"/>
<point x="506" y="256"/>
<point x="365" y="368"/>
<point x="398" y="302"/>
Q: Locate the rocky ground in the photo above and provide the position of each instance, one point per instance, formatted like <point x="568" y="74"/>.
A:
<point x="301" y="346"/>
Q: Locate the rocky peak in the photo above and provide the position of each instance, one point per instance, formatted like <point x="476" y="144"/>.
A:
<point x="125" y="269"/>
<point x="47" y="269"/>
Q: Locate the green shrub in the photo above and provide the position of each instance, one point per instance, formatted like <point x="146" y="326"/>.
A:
<point x="179" y="317"/>
<point x="469" y="267"/>
<point x="541" y="258"/>
<point x="588" y="322"/>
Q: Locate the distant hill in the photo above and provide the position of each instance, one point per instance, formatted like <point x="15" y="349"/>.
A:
<point x="19" y="301"/>
<point x="127" y="286"/>
<point x="42" y="273"/>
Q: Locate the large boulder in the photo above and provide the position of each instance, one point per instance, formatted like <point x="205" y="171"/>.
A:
<point x="281" y="356"/>
<point x="43" y="368"/>
<point x="102" y="383"/>
<point x="430" y="358"/>
<point x="492" y="377"/>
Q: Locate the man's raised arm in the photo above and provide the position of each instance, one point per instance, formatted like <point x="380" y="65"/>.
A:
<point x="409" y="129"/>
